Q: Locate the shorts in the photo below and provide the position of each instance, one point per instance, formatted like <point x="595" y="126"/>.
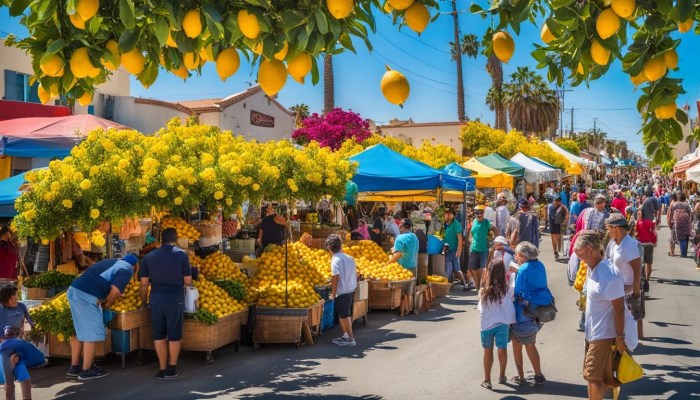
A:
<point x="648" y="253"/>
<point x="597" y="363"/>
<point x="478" y="259"/>
<point x="343" y="304"/>
<point x="87" y="316"/>
<point x="408" y="288"/>
<point x="451" y="264"/>
<point x="525" y="332"/>
<point x="555" y="229"/>
<point x="499" y="334"/>
<point x="20" y="373"/>
<point x="167" y="320"/>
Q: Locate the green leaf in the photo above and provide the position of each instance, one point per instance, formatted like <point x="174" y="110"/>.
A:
<point x="128" y="39"/>
<point x="215" y="28"/>
<point x="321" y="21"/>
<point x="126" y="13"/>
<point x="314" y="71"/>
<point x="212" y="11"/>
<point x="161" y="30"/>
<point x="561" y="3"/>
<point x="681" y="116"/>
<point x="346" y="42"/>
<point x="17" y="7"/>
<point x="685" y="9"/>
<point x="46" y="10"/>
<point x="55" y="46"/>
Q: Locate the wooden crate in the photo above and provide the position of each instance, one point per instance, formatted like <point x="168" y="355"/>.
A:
<point x="37" y="293"/>
<point x="359" y="309"/>
<point x="440" y="289"/>
<point x="361" y="291"/>
<point x="62" y="349"/>
<point x="132" y="319"/>
<point x="384" y="295"/>
<point x="315" y="314"/>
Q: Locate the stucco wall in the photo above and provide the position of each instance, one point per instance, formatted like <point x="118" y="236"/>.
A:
<point x="442" y="133"/>
<point x="145" y="118"/>
<point x="236" y="118"/>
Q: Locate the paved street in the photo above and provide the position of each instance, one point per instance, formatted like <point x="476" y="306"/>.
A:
<point x="436" y="354"/>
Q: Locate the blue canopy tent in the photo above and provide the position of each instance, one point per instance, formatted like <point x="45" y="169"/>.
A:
<point x="9" y="192"/>
<point x="387" y="174"/>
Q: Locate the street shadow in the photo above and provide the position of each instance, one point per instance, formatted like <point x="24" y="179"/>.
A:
<point x="679" y="282"/>
<point x="665" y="340"/>
<point x="552" y="388"/>
<point x="661" y="380"/>
<point x="665" y="324"/>
<point x="264" y="396"/>
<point x="645" y="349"/>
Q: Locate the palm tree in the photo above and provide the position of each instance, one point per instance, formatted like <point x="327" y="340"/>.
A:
<point x="301" y="112"/>
<point x="494" y="98"/>
<point x="533" y="107"/>
<point x="469" y="46"/>
<point x="328" y="84"/>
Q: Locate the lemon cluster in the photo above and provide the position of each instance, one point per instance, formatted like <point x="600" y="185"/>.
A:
<point x="371" y="260"/>
<point x="215" y="299"/>
<point x="183" y="228"/>
<point x="581" y="276"/>
<point x="299" y="295"/>
<point x="317" y="258"/>
<point x="130" y="300"/>
<point x="366" y="250"/>
<point x="436" y="279"/>
<point x="220" y="266"/>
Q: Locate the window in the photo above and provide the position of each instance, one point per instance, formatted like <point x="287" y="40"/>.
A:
<point x="17" y="87"/>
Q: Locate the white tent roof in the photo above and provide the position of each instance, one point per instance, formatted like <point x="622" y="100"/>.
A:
<point x="569" y="156"/>
<point x="693" y="173"/>
<point x="534" y="171"/>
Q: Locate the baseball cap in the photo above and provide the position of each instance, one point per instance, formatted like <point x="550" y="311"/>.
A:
<point x="449" y="210"/>
<point x="500" y="239"/>
<point x="407" y="223"/>
<point x="616" y="219"/>
<point x="558" y="198"/>
<point x="523" y="203"/>
<point x="131" y="259"/>
<point x="480" y="207"/>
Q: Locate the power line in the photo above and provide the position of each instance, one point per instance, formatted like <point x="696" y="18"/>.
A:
<point x="419" y="76"/>
<point x="414" y="57"/>
<point x="425" y="44"/>
<point x="408" y="70"/>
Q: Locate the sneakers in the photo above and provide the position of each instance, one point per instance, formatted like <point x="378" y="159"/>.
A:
<point x="94" y="372"/>
<point x="539" y="380"/>
<point x="646" y="286"/>
<point x="170" y="372"/>
<point x="160" y="374"/>
<point x="346" y="342"/>
<point x="339" y="339"/>
<point x="556" y="255"/>
<point x="466" y="288"/>
<point x="73" y="371"/>
<point x="471" y="286"/>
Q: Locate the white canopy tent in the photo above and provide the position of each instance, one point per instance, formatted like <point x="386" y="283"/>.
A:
<point x="536" y="172"/>
<point x="693" y="173"/>
<point x="569" y="156"/>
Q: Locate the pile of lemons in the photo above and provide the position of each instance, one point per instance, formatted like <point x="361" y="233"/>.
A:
<point x="215" y="299"/>
<point x="183" y="228"/>
<point x="130" y="300"/>
<point x="436" y="279"/>
<point x="319" y="259"/>
<point x="581" y="276"/>
<point x="299" y="295"/>
<point x="220" y="266"/>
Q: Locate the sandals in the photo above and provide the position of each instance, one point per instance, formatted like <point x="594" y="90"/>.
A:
<point x="502" y="380"/>
<point x="486" y="385"/>
<point x="519" y="381"/>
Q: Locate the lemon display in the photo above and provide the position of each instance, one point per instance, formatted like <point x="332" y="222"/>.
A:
<point x="371" y="262"/>
<point x="272" y="76"/>
<point x="685" y="26"/>
<point x="436" y="279"/>
<point x="85" y="99"/>
<point x="671" y="59"/>
<point x="80" y="64"/>
<point x="298" y="295"/>
<point x="215" y="299"/>
<point x="133" y="61"/>
<point x="599" y="54"/>
<point x="116" y="60"/>
<point x="192" y="23"/>
<point x="299" y="66"/>
<point x="340" y="9"/>
<point x="655" y="68"/>
<point x="77" y="21"/>
<point x="220" y="266"/>
<point x="395" y="87"/>
<point x="503" y="46"/>
<point x="581" y="276"/>
<point x="87" y="8"/>
<point x="227" y="63"/>
<point x="248" y="24"/>
<point x="417" y="17"/>
<point x="667" y="111"/>
<point x="184" y="230"/>
<point x="52" y="65"/>
<point x="130" y="300"/>
<point x="623" y="8"/>
<point x="607" y="24"/>
<point x="319" y="259"/>
<point x="400" y="4"/>
<point x="546" y="34"/>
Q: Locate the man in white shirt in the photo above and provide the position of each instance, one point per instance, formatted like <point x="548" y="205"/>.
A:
<point x="502" y="214"/>
<point x="343" y="284"/>
<point x="605" y="315"/>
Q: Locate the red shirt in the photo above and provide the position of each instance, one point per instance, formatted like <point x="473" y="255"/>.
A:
<point x="620" y="203"/>
<point x="8" y="260"/>
<point x="646" y="232"/>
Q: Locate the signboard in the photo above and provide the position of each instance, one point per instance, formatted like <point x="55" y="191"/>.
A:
<point x="260" y="119"/>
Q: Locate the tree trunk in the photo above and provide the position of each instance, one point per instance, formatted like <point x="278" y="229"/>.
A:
<point x="495" y="69"/>
<point x="328" y="84"/>
<point x="458" y="57"/>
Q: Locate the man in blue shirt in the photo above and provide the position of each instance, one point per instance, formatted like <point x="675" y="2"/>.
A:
<point x="167" y="270"/>
<point x="406" y="254"/>
<point x="102" y="283"/>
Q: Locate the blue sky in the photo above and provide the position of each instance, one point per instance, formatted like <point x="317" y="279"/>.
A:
<point x="425" y="60"/>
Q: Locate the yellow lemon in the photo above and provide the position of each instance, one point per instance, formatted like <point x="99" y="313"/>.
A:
<point x="272" y="76"/>
<point x="655" y="68"/>
<point x="94" y="73"/>
<point x="340" y="9"/>
<point x="417" y="17"/>
<point x="666" y="112"/>
<point x="77" y="21"/>
<point x="52" y="65"/>
<point x="607" y="24"/>
<point x="85" y="99"/>
<point x="623" y="8"/>
<point x="599" y="54"/>
<point x="227" y="63"/>
<point x="258" y="48"/>
<point x="53" y="90"/>
<point x="206" y="53"/>
<point x="44" y="95"/>
<point x="133" y="61"/>
<point x="395" y="87"/>
<point x="639" y="79"/>
<point x="170" y="42"/>
<point x="685" y="26"/>
<point x="671" y="59"/>
<point x="546" y="34"/>
<point x="87" y="8"/>
<point x="80" y="64"/>
<point x="503" y="46"/>
<point x="299" y="66"/>
<point x="115" y="60"/>
<point x="181" y="72"/>
<point x="400" y="4"/>
<point x="248" y="24"/>
<point x="191" y="60"/>
<point x="280" y="55"/>
<point x="388" y="8"/>
<point x="192" y="23"/>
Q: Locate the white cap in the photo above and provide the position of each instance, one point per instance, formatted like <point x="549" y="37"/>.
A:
<point x="501" y="240"/>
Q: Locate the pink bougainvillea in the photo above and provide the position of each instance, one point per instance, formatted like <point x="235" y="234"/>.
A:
<point x="332" y="129"/>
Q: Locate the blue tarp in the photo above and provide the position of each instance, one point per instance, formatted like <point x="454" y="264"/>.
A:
<point x="9" y="192"/>
<point x="382" y="169"/>
<point x="42" y="148"/>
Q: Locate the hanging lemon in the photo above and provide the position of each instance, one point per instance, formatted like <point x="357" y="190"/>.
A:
<point x="599" y="54"/>
<point x="685" y="26"/>
<point x="52" y="65"/>
<point x="248" y="24"/>
<point x="667" y="111"/>
<point x="417" y="17"/>
<point x="671" y="59"/>
<point x="272" y="76"/>
<point x="503" y="46"/>
<point x="282" y="54"/>
<point x="299" y="66"/>
<point x="87" y="8"/>
<point x="227" y="63"/>
<point x="395" y="87"/>
<point x="192" y="24"/>
<point x="115" y="60"/>
<point x="546" y="34"/>
<point x="80" y="64"/>
<point x="85" y="99"/>
<point x="133" y="61"/>
<point x="400" y="4"/>
<point x="655" y="68"/>
<point x="607" y="24"/>
<point x="340" y="9"/>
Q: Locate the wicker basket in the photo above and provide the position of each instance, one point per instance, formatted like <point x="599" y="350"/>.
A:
<point x="197" y="336"/>
<point x="62" y="349"/>
<point x="129" y="320"/>
<point x="440" y="289"/>
<point x="210" y="235"/>
<point x="279" y="325"/>
<point x="384" y="295"/>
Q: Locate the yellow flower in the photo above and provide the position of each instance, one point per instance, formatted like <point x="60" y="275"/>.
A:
<point x="67" y="203"/>
<point x="207" y="159"/>
<point x="55" y="186"/>
<point x="176" y="158"/>
<point x="48" y="196"/>
<point x="177" y="201"/>
<point x="256" y="187"/>
<point x="29" y="214"/>
<point x="229" y="201"/>
<point x="235" y="169"/>
<point x="94" y="170"/>
<point x="218" y="195"/>
<point x="30" y="176"/>
<point x="123" y="164"/>
<point x="85" y="184"/>
<point x="208" y="174"/>
<point x="143" y="191"/>
<point x="162" y="193"/>
<point x="78" y="176"/>
<point x="94" y="213"/>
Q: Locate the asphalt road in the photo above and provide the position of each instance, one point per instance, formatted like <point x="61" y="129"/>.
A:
<point x="436" y="354"/>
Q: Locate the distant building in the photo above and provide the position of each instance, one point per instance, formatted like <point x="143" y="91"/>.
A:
<point x="415" y="133"/>
<point x="251" y="114"/>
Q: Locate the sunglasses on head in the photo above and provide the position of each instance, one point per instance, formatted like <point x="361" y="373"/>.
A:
<point x="478" y="213"/>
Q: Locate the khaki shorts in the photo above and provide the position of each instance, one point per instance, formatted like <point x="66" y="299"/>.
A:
<point x="597" y="363"/>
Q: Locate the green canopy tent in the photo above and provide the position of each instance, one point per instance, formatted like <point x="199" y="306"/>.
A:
<point x="496" y="161"/>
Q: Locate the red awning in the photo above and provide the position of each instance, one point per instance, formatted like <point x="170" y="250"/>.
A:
<point x="20" y="109"/>
<point x="682" y="166"/>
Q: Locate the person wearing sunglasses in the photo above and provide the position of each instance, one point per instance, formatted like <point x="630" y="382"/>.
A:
<point x="479" y="248"/>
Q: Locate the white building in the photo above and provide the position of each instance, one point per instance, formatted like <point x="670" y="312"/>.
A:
<point x="251" y="114"/>
<point x="415" y="133"/>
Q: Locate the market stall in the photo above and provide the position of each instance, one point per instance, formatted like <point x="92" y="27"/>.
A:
<point x="487" y="177"/>
<point x="577" y="165"/>
<point x="536" y="174"/>
<point x="10" y="190"/>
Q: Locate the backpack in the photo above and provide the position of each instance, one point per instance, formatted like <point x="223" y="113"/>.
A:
<point x="681" y="217"/>
<point x="559" y="215"/>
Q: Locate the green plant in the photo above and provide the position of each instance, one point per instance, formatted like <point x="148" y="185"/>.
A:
<point x="205" y="317"/>
<point x="234" y="289"/>
<point x="49" y="280"/>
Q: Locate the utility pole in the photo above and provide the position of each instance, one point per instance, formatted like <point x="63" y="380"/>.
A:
<point x="595" y="120"/>
<point x="461" y="116"/>
<point x="572" y="121"/>
<point x="562" y="91"/>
